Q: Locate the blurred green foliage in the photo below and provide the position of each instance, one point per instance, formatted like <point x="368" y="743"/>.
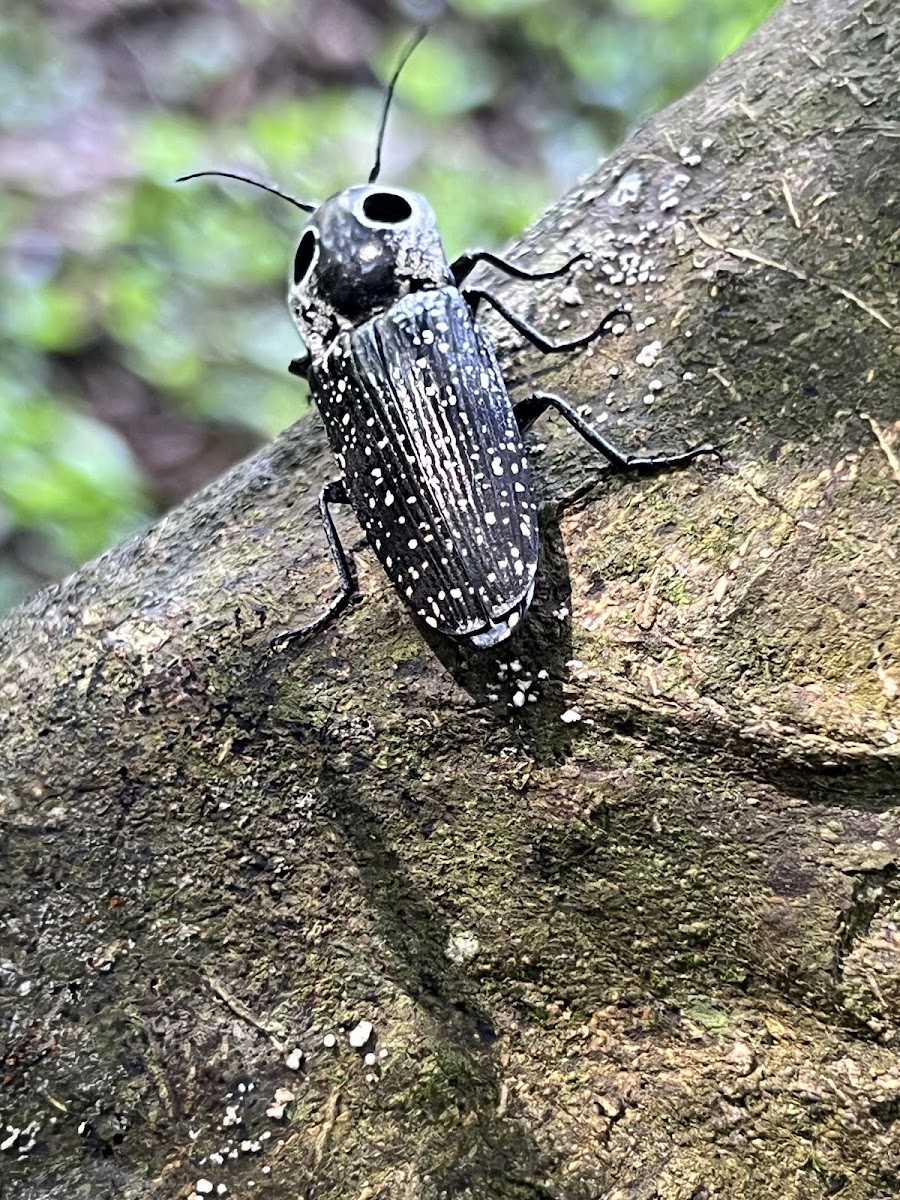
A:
<point x="143" y="333"/>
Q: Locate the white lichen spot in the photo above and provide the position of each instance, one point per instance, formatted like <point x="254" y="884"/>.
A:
<point x="462" y="947"/>
<point x="570" y="716"/>
<point x="329" y="1041"/>
<point x="648" y="354"/>
<point x="626" y="190"/>
<point x="283" y="1097"/>
<point x="360" y="1034"/>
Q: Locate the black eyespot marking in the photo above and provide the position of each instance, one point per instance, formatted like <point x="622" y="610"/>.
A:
<point x="387" y="208"/>
<point x="306" y="254"/>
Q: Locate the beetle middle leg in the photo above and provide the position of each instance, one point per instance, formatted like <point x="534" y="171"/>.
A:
<point x="332" y="493"/>
<point x="473" y="295"/>
<point x="527" y="412"/>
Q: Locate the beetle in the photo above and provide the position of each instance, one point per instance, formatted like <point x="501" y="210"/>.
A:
<point x="424" y="433"/>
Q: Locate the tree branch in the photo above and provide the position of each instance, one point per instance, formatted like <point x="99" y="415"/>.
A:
<point x="635" y="938"/>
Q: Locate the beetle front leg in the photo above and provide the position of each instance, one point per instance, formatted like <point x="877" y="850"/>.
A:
<point x="466" y="263"/>
<point x="300" y="365"/>
<point x="527" y="412"/>
<point x="332" y="493"/>
<point x="473" y="295"/>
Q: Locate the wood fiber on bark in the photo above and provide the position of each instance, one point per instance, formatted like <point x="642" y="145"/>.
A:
<point x="651" y="952"/>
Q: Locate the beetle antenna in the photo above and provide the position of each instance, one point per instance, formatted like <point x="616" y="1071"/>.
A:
<point x="305" y="205"/>
<point x="389" y="95"/>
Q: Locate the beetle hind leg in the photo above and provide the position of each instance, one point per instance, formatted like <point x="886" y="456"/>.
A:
<point x="527" y="412"/>
<point x="332" y="493"/>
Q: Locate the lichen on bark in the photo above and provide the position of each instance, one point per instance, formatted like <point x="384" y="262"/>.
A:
<point x="638" y="938"/>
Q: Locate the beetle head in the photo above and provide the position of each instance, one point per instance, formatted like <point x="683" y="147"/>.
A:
<point x="362" y="250"/>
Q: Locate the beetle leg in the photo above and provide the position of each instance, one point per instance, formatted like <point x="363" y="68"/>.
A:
<point x="527" y="412"/>
<point x="467" y="262"/>
<point x="300" y="366"/>
<point x="535" y="336"/>
<point x="332" y="493"/>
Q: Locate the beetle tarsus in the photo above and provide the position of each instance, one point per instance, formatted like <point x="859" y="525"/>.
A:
<point x="527" y="412"/>
<point x="332" y="493"/>
<point x="300" y="366"/>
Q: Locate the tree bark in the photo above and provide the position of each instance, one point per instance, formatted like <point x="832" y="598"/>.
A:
<point x="637" y="937"/>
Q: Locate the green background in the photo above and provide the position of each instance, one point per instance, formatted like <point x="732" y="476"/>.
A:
<point x="143" y="331"/>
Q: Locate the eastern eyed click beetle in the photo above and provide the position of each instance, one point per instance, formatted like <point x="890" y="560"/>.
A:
<point x="428" y="442"/>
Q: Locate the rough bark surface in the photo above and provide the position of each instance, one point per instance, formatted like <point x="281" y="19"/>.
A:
<point x="652" y="952"/>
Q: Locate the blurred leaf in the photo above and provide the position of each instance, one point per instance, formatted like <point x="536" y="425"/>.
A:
<point x="492" y="8"/>
<point x="41" y="75"/>
<point x="289" y="132"/>
<point x="66" y="476"/>
<point x="443" y="79"/>
<point x="167" y="146"/>
<point x="132" y="298"/>
<point x="49" y="317"/>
